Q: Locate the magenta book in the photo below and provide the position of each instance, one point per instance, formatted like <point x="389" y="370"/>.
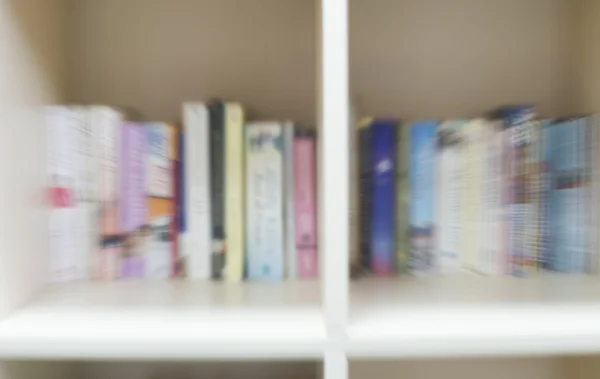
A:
<point x="133" y="216"/>
<point x="305" y="204"/>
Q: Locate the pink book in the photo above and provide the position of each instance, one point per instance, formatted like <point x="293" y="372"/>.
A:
<point x="305" y="204"/>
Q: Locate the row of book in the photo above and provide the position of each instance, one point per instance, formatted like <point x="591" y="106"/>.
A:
<point x="217" y="198"/>
<point x="504" y="194"/>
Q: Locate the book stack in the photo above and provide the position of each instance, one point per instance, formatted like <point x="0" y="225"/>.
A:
<point x="503" y="194"/>
<point x="217" y="197"/>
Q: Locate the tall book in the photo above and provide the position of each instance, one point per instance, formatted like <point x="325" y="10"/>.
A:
<point x="365" y="174"/>
<point x="402" y="198"/>
<point x="264" y="201"/>
<point x="107" y="123"/>
<point x="516" y="121"/>
<point x="532" y="198"/>
<point x="581" y="246"/>
<point x="383" y="209"/>
<point x="217" y="187"/>
<point x="493" y="208"/>
<point x="291" y="256"/>
<point x="451" y="255"/>
<point x="62" y="167"/>
<point x="305" y="201"/>
<point x="595" y="191"/>
<point x="133" y="218"/>
<point x="546" y="175"/>
<point x="472" y="200"/>
<point x="161" y="154"/>
<point x="197" y="244"/>
<point x="234" y="191"/>
<point x="86" y="193"/>
<point x="422" y="190"/>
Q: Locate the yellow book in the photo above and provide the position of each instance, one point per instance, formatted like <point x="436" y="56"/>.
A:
<point x="234" y="191"/>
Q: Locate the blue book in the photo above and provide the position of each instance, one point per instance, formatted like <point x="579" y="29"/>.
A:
<point x="383" y="207"/>
<point x="560" y="205"/>
<point x="422" y="169"/>
<point x="545" y="192"/>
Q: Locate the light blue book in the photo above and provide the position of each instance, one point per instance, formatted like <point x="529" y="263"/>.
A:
<point x="264" y="201"/>
<point x="422" y="173"/>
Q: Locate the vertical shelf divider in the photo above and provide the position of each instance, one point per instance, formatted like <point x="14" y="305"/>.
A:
<point x="334" y="190"/>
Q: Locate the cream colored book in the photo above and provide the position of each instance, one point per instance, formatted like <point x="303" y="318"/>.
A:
<point x="472" y="195"/>
<point x="234" y="191"/>
<point x="402" y="199"/>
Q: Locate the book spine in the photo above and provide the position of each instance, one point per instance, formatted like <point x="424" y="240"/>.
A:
<point x="290" y="229"/>
<point x="422" y="190"/>
<point x="365" y="172"/>
<point x="580" y="212"/>
<point x="178" y="219"/>
<point x="383" y="228"/>
<point x="561" y="262"/>
<point x="472" y="195"/>
<point x="402" y="199"/>
<point x="585" y="205"/>
<point x="86" y="205"/>
<point x="234" y="191"/>
<point x="595" y="190"/>
<point x="107" y="122"/>
<point x="133" y="216"/>
<point x="545" y="194"/>
<point x="264" y="181"/>
<point x="451" y="255"/>
<point x="161" y="153"/>
<point x="217" y="190"/>
<point x="305" y="205"/>
<point x="61" y="186"/>
<point x="198" y="241"/>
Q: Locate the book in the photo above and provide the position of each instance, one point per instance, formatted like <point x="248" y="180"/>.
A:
<point x="451" y="255"/>
<point x="234" y="191"/>
<point x="180" y="270"/>
<point x="291" y="256"/>
<point x="402" y="198"/>
<point x="107" y="123"/>
<point x="305" y="203"/>
<point x="62" y="154"/>
<point x="422" y="192"/>
<point x="472" y="201"/>
<point x="365" y="171"/>
<point x="546" y="181"/>
<point x="217" y="187"/>
<point x="264" y="201"/>
<point x="383" y="202"/>
<point x="161" y="154"/>
<point x="86" y="193"/>
<point x="133" y="218"/>
<point x="197" y="244"/>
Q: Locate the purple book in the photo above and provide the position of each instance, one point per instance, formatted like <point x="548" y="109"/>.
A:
<point x="133" y="216"/>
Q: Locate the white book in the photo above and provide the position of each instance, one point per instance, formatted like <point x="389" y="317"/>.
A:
<point x="450" y="187"/>
<point x="288" y="159"/>
<point x="106" y="124"/>
<point x="86" y="160"/>
<point x="264" y="202"/>
<point x="62" y="173"/>
<point x="197" y="240"/>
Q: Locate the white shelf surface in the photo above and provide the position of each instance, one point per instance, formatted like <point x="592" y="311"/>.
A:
<point x="474" y="316"/>
<point x="168" y="320"/>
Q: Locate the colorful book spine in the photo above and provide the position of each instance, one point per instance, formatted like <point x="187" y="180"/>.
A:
<point x="451" y="255"/>
<point x="532" y="199"/>
<point x="264" y="201"/>
<point x="365" y="172"/>
<point x="234" y="191"/>
<point x="305" y="204"/>
<point x="133" y="218"/>
<point x="217" y="187"/>
<point x="179" y="220"/>
<point x="197" y="244"/>
<point x="422" y="190"/>
<point x="402" y="198"/>
<point x="161" y="153"/>
<point x="581" y="248"/>
<point x="556" y="261"/>
<point x="383" y="210"/>
<point x="62" y="173"/>
<point x="290" y="231"/>
<point x="107" y="123"/>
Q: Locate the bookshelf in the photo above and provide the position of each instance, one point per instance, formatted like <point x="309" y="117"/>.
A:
<point x="307" y="60"/>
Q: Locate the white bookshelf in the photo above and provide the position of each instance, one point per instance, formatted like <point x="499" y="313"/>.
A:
<point x="306" y="60"/>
